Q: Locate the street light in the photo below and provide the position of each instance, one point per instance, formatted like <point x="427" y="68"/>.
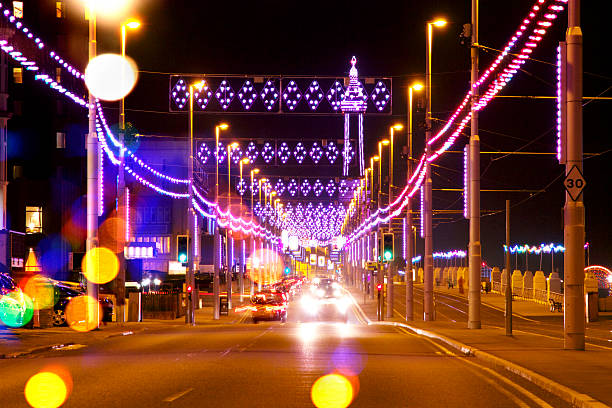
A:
<point x="131" y="24"/>
<point x="392" y="130"/>
<point x="216" y="238"/>
<point x="230" y="148"/>
<point x="242" y="162"/>
<point x="122" y="209"/>
<point x="253" y="172"/>
<point x="189" y="276"/>
<point x="417" y="86"/>
<point x="428" y="303"/>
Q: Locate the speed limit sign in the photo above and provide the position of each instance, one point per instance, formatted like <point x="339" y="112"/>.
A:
<point x="574" y="183"/>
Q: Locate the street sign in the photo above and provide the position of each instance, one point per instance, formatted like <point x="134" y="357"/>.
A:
<point x="574" y="183"/>
<point x="371" y="266"/>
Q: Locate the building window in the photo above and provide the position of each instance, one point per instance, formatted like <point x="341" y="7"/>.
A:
<point x="58" y="75"/>
<point x="18" y="9"/>
<point x="59" y="9"/>
<point x="18" y="75"/>
<point x="33" y="220"/>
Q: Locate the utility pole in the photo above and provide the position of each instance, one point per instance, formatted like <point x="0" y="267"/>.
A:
<point x="573" y="231"/>
<point x="474" y="191"/>
<point x="4" y="117"/>
<point x="508" y="311"/>
<point x="93" y="158"/>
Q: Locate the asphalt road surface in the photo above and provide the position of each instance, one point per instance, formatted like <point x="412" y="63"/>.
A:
<point x="271" y="365"/>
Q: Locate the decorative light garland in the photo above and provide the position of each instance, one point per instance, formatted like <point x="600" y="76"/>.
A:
<point x="545" y="248"/>
<point x="457" y="253"/>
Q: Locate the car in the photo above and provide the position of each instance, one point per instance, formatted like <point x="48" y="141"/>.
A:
<point x="7" y="284"/>
<point x="63" y="295"/>
<point x="326" y="301"/>
<point x="266" y="306"/>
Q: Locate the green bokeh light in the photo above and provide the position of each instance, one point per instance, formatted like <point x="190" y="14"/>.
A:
<point x="16" y="309"/>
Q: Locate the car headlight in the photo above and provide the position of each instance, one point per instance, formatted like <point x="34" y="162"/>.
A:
<point x="343" y="304"/>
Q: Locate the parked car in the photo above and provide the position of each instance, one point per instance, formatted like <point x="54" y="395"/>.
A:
<point x="63" y="295"/>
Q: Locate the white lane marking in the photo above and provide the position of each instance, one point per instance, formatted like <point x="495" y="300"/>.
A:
<point x="62" y="347"/>
<point x="226" y="352"/>
<point x="177" y="395"/>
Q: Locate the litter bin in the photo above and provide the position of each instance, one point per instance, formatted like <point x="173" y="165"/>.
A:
<point x="223" y="306"/>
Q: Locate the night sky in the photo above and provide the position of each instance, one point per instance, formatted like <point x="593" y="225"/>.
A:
<point x="388" y="38"/>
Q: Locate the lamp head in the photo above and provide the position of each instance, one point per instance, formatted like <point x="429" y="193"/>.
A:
<point x="375" y="158"/>
<point x="223" y="126"/>
<point x="233" y="145"/>
<point x="255" y="171"/>
<point x="439" y="22"/>
<point x="132" y="23"/>
<point x="385" y="142"/>
<point x="245" y="161"/>
<point x="417" y="86"/>
<point x="398" y="126"/>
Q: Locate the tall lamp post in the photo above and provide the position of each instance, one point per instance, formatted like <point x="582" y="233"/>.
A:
<point x="428" y="303"/>
<point x="253" y="239"/>
<point x="92" y="166"/>
<point x="121" y="209"/>
<point x="229" y="240"/>
<point x="191" y="216"/>
<point x="217" y="238"/>
<point x="409" y="236"/>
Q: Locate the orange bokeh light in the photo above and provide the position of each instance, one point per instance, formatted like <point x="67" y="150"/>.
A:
<point x="83" y="313"/>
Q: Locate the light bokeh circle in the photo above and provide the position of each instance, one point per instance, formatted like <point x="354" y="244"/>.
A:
<point x="16" y="309"/>
<point x="46" y="390"/>
<point x="332" y="391"/>
<point x="100" y="265"/>
<point x="41" y="291"/>
<point x="83" y="313"/>
<point x="111" y="77"/>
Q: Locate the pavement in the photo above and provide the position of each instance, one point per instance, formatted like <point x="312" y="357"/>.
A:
<point x="581" y="378"/>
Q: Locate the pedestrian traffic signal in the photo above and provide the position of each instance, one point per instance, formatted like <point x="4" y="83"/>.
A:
<point x="287" y="270"/>
<point x="387" y="247"/>
<point x="182" y="247"/>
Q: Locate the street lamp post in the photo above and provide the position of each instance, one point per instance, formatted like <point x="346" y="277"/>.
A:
<point x="409" y="236"/>
<point x="120" y="208"/>
<point x="92" y="167"/>
<point x="216" y="232"/>
<point x="253" y="239"/>
<point x="191" y="217"/>
<point x="240" y="272"/>
<point x="228" y="234"/>
<point x="392" y="130"/>
<point x="428" y="301"/>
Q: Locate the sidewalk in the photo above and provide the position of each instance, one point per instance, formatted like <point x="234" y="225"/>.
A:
<point x="18" y="342"/>
<point x="579" y="377"/>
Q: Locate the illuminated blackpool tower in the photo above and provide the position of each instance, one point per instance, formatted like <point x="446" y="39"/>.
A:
<point x="355" y="102"/>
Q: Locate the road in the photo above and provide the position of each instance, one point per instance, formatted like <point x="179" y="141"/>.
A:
<point x="454" y="308"/>
<point x="271" y="365"/>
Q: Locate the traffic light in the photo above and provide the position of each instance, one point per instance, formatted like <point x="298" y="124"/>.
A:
<point x="182" y="248"/>
<point x="387" y="247"/>
<point x="287" y="270"/>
